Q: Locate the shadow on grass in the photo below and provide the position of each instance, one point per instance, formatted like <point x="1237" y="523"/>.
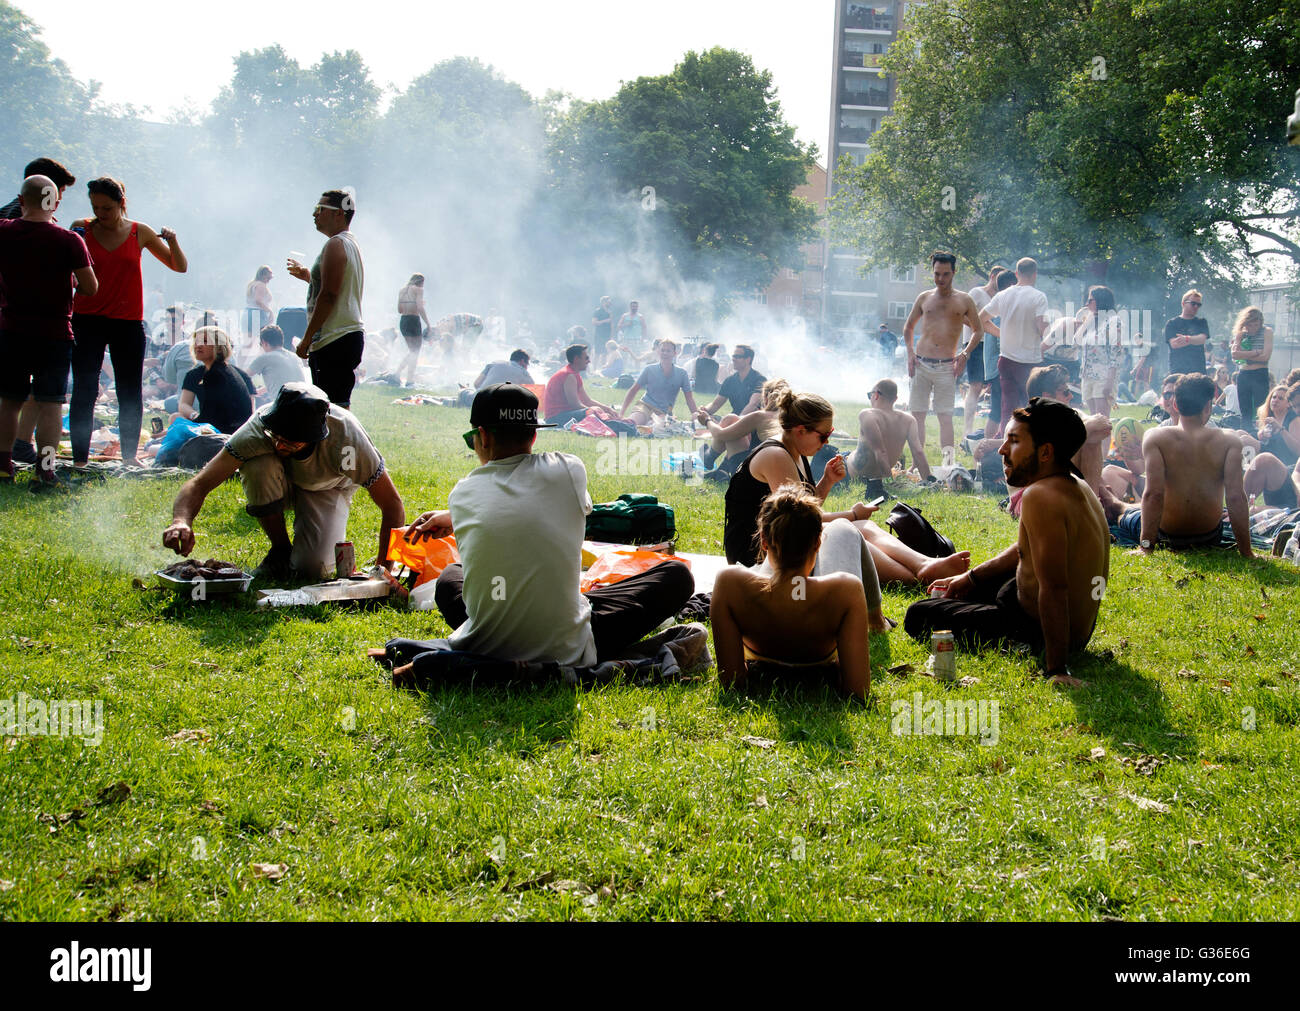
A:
<point x="1125" y="705"/>
<point x="524" y="718"/>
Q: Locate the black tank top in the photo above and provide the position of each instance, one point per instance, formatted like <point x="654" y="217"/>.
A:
<point x="745" y="495"/>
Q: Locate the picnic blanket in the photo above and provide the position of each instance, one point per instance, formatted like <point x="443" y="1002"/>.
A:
<point x="676" y="651"/>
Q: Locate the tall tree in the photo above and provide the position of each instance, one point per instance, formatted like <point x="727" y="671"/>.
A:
<point x="1138" y="133"/>
<point x="711" y="141"/>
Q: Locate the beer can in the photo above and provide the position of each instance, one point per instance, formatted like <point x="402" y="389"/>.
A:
<point x="156" y="426"/>
<point x="688" y="467"/>
<point x="945" y="656"/>
<point x="345" y="559"/>
<point x="937" y="592"/>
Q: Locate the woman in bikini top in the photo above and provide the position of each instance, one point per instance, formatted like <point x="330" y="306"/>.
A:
<point x="786" y="617"/>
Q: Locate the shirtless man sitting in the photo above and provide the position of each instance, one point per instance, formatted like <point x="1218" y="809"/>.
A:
<point x="1192" y="470"/>
<point x="882" y="433"/>
<point x="1044" y="589"/>
<point x="935" y="363"/>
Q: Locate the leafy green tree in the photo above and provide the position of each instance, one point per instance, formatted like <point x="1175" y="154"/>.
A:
<point x="1142" y="135"/>
<point x="711" y="141"/>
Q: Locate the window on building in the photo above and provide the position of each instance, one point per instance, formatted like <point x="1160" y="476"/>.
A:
<point x="898" y="310"/>
<point x="907" y="276"/>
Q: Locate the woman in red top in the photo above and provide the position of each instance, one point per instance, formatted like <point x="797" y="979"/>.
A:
<point x="113" y="318"/>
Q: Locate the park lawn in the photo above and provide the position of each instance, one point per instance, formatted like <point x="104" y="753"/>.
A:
<point x="1167" y="790"/>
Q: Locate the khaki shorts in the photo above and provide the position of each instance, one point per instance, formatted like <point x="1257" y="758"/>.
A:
<point x="1096" y="389"/>
<point x="937" y="379"/>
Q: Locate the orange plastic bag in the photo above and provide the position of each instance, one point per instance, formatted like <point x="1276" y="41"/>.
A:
<point x="538" y="391"/>
<point x="427" y="557"/>
<point x="615" y="566"/>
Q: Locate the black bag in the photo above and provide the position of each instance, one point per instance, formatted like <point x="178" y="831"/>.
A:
<point x="196" y="453"/>
<point x="915" y="531"/>
<point x="625" y="382"/>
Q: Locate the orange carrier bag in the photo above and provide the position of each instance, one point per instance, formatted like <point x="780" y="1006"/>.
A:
<point x="615" y="566"/>
<point x="427" y="557"/>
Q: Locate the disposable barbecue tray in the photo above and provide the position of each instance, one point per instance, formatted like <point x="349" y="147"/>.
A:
<point x="215" y="578"/>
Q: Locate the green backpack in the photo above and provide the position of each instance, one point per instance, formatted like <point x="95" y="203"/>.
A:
<point x="633" y="519"/>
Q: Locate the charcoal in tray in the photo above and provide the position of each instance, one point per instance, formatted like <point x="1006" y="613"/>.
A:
<point x="213" y="568"/>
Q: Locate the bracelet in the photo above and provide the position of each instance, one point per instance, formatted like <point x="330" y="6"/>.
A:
<point x="970" y="574"/>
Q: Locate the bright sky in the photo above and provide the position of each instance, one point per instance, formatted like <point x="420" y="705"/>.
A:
<point x="162" y="53"/>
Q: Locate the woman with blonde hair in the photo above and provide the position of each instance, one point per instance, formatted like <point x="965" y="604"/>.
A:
<point x="1252" y="346"/>
<point x="732" y="437"/>
<point x="784" y="615"/>
<point x="224" y="392"/>
<point x="807" y="422"/>
<point x="1279" y="427"/>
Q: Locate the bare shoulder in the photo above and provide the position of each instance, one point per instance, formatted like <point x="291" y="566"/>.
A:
<point x="734" y="580"/>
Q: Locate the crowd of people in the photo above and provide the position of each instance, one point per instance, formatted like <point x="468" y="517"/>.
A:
<point x="803" y="592"/>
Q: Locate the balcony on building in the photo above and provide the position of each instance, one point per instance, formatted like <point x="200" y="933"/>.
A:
<point x="868" y="17"/>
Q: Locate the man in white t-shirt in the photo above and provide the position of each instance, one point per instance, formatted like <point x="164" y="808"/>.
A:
<point x="519" y="521"/>
<point x="1023" y="309"/>
<point x="976" y="379"/>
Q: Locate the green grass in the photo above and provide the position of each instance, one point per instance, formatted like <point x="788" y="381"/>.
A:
<point x="555" y="803"/>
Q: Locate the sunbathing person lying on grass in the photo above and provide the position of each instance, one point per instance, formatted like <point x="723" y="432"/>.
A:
<point x="779" y="615"/>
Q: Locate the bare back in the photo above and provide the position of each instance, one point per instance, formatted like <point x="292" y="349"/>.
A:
<point x="781" y="626"/>
<point x="410" y="300"/>
<point x="1191" y="464"/>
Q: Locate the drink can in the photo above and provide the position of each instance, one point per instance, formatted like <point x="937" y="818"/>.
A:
<point x="937" y="592"/>
<point x="345" y="559"/>
<point x="688" y="467"/>
<point x="945" y="656"/>
<point x="156" y="426"/>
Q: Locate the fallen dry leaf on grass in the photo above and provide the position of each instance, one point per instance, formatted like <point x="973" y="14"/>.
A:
<point x="114" y="794"/>
<point x="5" y="885"/>
<point x="902" y="670"/>
<point x="1147" y="765"/>
<point x="182" y="736"/>
<point x="761" y="801"/>
<point x="759" y="742"/>
<point x="1146" y="803"/>
<point x="1191" y="675"/>
<point x="568" y="887"/>
<point x="269" y="872"/>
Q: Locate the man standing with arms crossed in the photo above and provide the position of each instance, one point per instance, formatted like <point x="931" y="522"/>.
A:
<point x="335" y="336"/>
<point x="935" y="363"/>
<point x="1023" y="309"/>
<point x="1187" y="336"/>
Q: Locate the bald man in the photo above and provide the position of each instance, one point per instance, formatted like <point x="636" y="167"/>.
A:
<point x="38" y="264"/>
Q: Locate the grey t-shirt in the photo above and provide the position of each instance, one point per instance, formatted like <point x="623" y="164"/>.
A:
<point x="505" y="372"/>
<point x="177" y="362"/>
<point x="661" y="390"/>
<point x="277" y="367"/>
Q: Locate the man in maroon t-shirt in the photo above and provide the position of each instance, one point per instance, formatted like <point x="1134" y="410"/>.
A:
<point x="38" y="261"/>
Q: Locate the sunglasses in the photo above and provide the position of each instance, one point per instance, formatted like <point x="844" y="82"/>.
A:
<point x="469" y="437"/>
<point x="825" y="437"/>
<point x="1195" y="304"/>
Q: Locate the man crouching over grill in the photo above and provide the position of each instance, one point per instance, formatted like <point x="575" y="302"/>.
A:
<point x="300" y="450"/>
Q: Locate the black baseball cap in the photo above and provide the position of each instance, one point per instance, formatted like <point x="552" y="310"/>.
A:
<point x="505" y="405"/>
<point x="299" y="413"/>
<point x="1060" y="426"/>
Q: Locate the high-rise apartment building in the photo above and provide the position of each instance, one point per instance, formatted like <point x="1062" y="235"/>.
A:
<point x="862" y="95"/>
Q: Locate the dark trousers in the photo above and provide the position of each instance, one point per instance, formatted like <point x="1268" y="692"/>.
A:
<point x="620" y="614"/>
<point x="1252" y="391"/>
<point x="125" y="342"/>
<point x="333" y="367"/>
<point x="990" y="615"/>
<point x="1013" y="378"/>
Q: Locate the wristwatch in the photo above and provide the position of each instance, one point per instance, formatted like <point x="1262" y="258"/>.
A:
<point x="1145" y="544"/>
